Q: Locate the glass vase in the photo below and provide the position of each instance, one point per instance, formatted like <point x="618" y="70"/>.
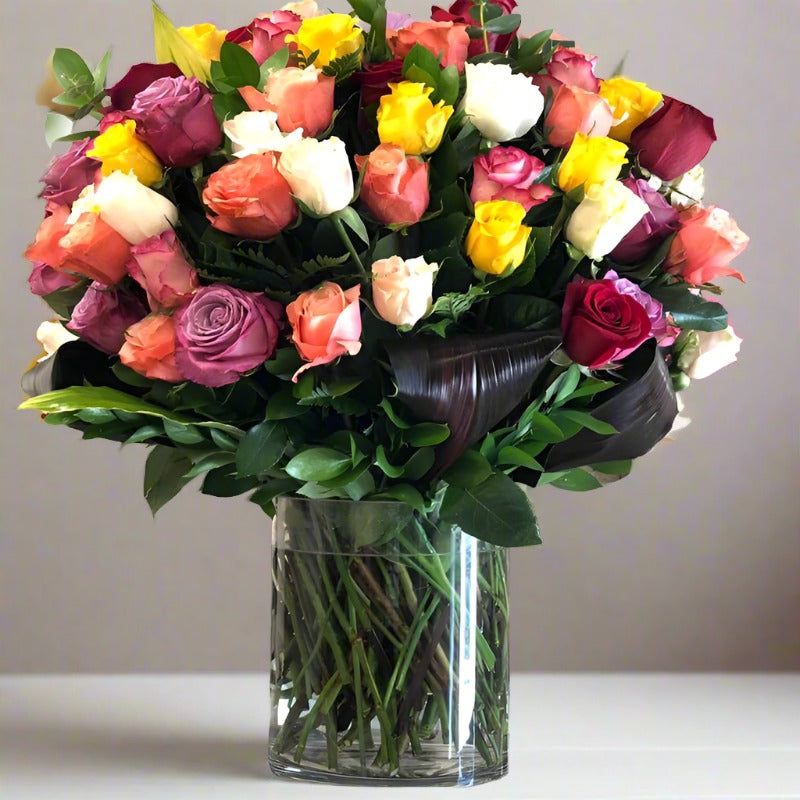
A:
<point x="389" y="647"/>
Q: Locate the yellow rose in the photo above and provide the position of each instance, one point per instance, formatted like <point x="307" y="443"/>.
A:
<point x="205" y="38"/>
<point x="591" y="160"/>
<point x="497" y="239"/>
<point x="119" y="148"/>
<point x="331" y="36"/>
<point x="632" y="103"/>
<point x="408" y="119"/>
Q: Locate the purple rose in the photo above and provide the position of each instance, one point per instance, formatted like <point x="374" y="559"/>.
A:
<point x="225" y="332"/>
<point x="45" y="280"/>
<point x="103" y="315"/>
<point x="661" y="328"/>
<point x="69" y="174"/>
<point x="675" y="139"/>
<point x="175" y="116"/>
<point x="659" y="222"/>
<point x="137" y="79"/>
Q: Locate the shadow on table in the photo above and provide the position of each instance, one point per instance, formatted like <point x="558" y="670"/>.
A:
<point x="141" y="751"/>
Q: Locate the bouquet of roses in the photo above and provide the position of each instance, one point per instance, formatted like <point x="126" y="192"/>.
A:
<point x="365" y="257"/>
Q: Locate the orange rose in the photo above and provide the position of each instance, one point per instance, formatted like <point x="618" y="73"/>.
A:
<point x="448" y="41"/>
<point x="149" y="348"/>
<point x="575" y="110"/>
<point x="94" y="249"/>
<point x="249" y="198"/>
<point x="46" y="249"/>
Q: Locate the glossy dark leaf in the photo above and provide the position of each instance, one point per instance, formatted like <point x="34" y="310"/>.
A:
<point x="469" y="382"/>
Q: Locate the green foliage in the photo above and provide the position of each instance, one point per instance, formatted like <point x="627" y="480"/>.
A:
<point x="164" y="476"/>
<point x="421" y="66"/>
<point x="689" y="310"/>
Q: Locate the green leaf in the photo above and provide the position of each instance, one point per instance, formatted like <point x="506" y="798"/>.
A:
<point x="365" y="9"/>
<point x="164" y="476"/>
<point x="171" y="46"/>
<point x="688" y="310"/>
<point x="224" y="440"/>
<point x="521" y="312"/>
<point x="144" y="434"/>
<point x="284" y="405"/>
<point x="228" y="105"/>
<point x="239" y="66"/>
<point x="261" y="448"/>
<point x="284" y="363"/>
<point x="266" y="494"/>
<point x="95" y="416"/>
<point x="223" y="482"/>
<point x="72" y="72"/>
<point x="182" y="434"/>
<point x="275" y="62"/>
<point x="402" y="493"/>
<point x="56" y="126"/>
<point x="517" y="457"/>
<point x="496" y="511"/>
<point x="615" y="468"/>
<point x="585" y="420"/>
<point x="469" y="471"/>
<point x="426" y="434"/>
<point x="449" y="86"/>
<point x="350" y="217"/>
<point x="507" y="23"/>
<point x="100" y="72"/>
<point x="573" y="480"/>
<point x="543" y="429"/>
<point x="318" y="464"/>
<point x="212" y="461"/>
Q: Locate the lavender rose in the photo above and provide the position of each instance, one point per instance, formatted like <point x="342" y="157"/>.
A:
<point x="137" y="79"/>
<point x="45" y="280"/>
<point x="175" y="116"/>
<point x="661" y="329"/>
<point x="658" y="223"/>
<point x="69" y="174"/>
<point x="223" y="333"/>
<point x="103" y="315"/>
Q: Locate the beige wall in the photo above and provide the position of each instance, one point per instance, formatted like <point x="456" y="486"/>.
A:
<point x="692" y="563"/>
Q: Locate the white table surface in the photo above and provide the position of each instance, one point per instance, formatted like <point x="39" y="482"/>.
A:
<point x="653" y="737"/>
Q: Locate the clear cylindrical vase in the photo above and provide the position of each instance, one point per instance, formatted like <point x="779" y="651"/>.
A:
<point x="389" y="647"/>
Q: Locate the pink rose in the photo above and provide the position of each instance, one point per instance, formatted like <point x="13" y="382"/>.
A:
<point x="326" y="324"/>
<point x="508" y="173"/>
<point x="111" y="117"/>
<point x="706" y="242"/>
<point x="160" y="267"/>
<point x="302" y="98"/>
<point x="138" y="78"/>
<point x="103" y="315"/>
<point x="395" y="187"/>
<point x="575" y="110"/>
<point x="569" y="66"/>
<point x="448" y="41"/>
<point x="264" y="36"/>
<point x="45" y="280"/>
<point x="149" y="348"/>
<point x="69" y="174"/>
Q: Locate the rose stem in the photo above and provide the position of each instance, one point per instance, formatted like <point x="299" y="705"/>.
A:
<point x="348" y="243"/>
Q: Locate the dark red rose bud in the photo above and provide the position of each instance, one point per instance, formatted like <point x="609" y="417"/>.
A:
<point x="138" y="78"/>
<point x="675" y="139"/>
<point x="375" y="79"/>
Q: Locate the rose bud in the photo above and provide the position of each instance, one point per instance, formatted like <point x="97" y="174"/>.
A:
<point x="607" y="212"/>
<point x="576" y="111"/>
<point x="508" y="173"/>
<point x="706" y="242"/>
<point x="600" y="324"/>
<point x="326" y="324"/>
<point x="708" y="352"/>
<point x="375" y="78"/>
<point x="149" y="348"/>
<point x="395" y="187"/>
<point x="138" y="78"/>
<point x="571" y="67"/>
<point x="224" y="333"/>
<point x="175" y="116"/>
<point x="103" y="315"/>
<point x="160" y="267"/>
<point x="266" y="35"/>
<point x="448" y="41"/>
<point x="402" y="290"/>
<point x="675" y="139"/>
<point x="69" y="174"/>
<point x="250" y="199"/>
<point x="45" y="280"/>
<point x="659" y="222"/>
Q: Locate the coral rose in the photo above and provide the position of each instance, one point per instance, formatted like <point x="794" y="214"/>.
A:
<point x="448" y="41"/>
<point x="575" y="110"/>
<point x="149" y="348"/>
<point x="160" y="267"/>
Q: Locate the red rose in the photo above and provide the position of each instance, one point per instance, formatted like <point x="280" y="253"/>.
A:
<point x="675" y="139"/>
<point x="600" y="325"/>
<point x="460" y="11"/>
<point x="375" y="79"/>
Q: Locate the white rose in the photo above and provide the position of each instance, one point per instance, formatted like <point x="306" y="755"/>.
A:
<point x="253" y="132"/>
<point x="688" y="190"/>
<point x="85" y="204"/>
<point x="403" y="290"/>
<point x="607" y="212"/>
<point x="51" y="335"/>
<point x="303" y="8"/>
<point x="132" y="209"/>
<point x="706" y="353"/>
<point x="319" y="174"/>
<point x="500" y="104"/>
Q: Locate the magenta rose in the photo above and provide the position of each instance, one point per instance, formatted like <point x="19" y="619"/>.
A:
<point x="104" y="314"/>
<point x="137" y="79"/>
<point x="508" y="173"/>
<point x="659" y="222"/>
<point x="376" y="77"/>
<point x="602" y="325"/>
<point x="675" y="139"/>
<point x="69" y="174"/>
<point x="224" y="333"/>
<point x="45" y="280"/>
<point x="570" y="67"/>
<point x="459" y="12"/>
<point x="264" y="36"/>
<point x="661" y="329"/>
<point x="175" y="116"/>
<point x="160" y="267"/>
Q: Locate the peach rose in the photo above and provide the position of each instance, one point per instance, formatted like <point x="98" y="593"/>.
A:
<point x="448" y="41"/>
<point x="575" y="110"/>
<point x="302" y="98"/>
<point x="395" y="187"/>
<point x="45" y="248"/>
<point x="94" y="249"/>
<point x="149" y="348"/>
<point x="706" y="243"/>
<point x="249" y="198"/>
<point x="326" y="324"/>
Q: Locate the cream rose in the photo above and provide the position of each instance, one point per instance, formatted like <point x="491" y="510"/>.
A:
<point x="51" y="335"/>
<point x="607" y="212"/>
<point x="319" y="174"/>
<point x="500" y="104"/>
<point x="303" y="8"/>
<point x="706" y="353"/>
<point x="256" y="132"/>
<point x="689" y="189"/>
<point x="403" y="290"/>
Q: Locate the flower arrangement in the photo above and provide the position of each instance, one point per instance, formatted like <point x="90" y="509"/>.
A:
<point x="369" y="257"/>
